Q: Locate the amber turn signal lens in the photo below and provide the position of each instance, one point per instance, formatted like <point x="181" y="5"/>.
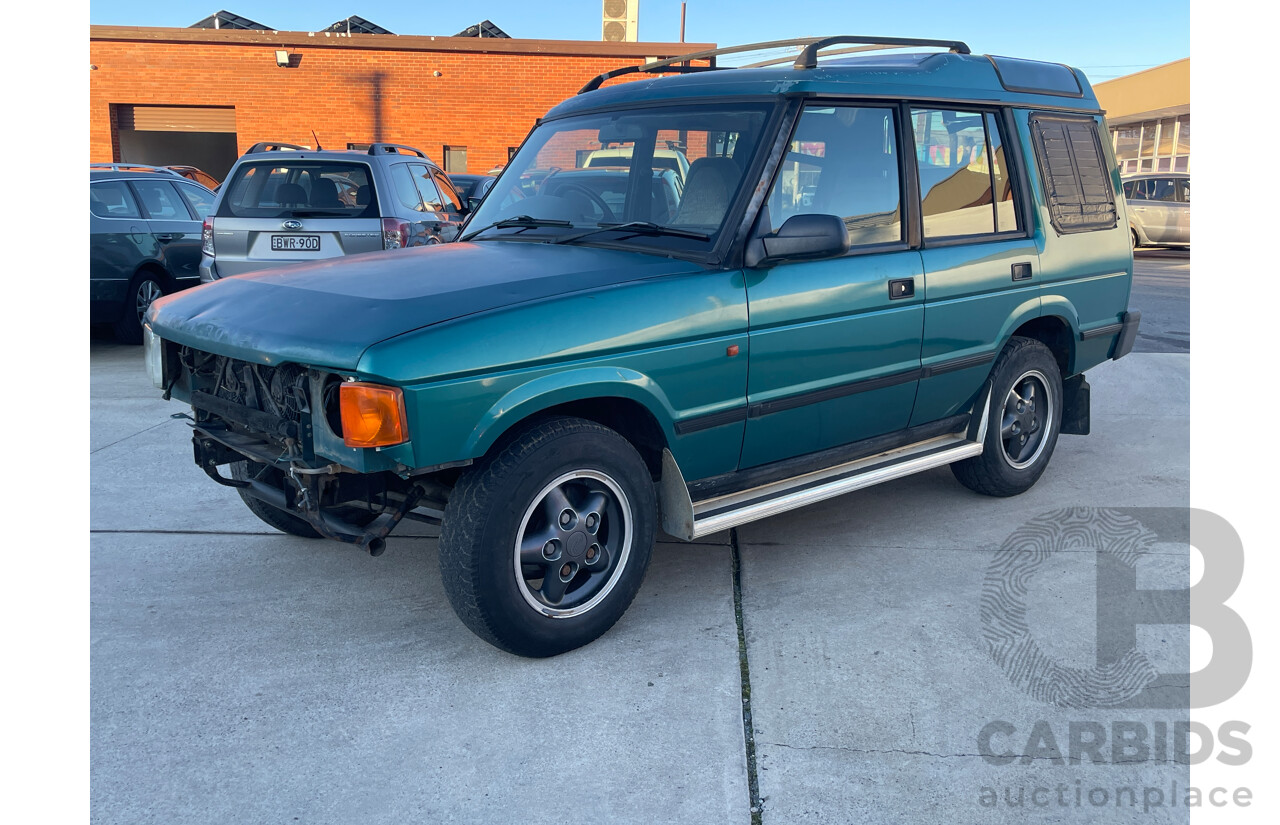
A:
<point x="372" y="415"/>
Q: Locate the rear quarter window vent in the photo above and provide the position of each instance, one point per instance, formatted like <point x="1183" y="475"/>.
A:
<point x="1077" y="181"/>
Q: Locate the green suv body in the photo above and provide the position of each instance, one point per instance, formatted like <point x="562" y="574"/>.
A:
<point x="877" y="265"/>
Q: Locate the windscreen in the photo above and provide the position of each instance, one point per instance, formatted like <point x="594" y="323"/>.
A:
<point x="284" y="189"/>
<point x="678" y="169"/>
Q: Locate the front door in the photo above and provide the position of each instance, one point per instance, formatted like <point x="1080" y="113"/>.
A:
<point x="835" y="344"/>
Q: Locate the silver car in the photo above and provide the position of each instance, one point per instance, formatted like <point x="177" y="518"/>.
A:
<point x="283" y="204"/>
<point x="1159" y="206"/>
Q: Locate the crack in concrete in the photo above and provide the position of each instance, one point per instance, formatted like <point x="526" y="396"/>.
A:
<point x="748" y="726"/>
<point x="127" y="437"/>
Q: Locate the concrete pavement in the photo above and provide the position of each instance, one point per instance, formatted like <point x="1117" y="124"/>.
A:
<point x="240" y="675"/>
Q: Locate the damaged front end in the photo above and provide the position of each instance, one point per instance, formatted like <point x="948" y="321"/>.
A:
<point x="265" y="422"/>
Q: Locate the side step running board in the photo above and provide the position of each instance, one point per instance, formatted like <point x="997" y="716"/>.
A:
<point x="690" y="520"/>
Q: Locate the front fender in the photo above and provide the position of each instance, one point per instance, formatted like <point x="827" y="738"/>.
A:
<point x="558" y="388"/>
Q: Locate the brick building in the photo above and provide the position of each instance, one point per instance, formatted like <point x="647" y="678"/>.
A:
<point x="203" y="96"/>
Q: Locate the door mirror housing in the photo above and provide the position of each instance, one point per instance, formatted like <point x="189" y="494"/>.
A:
<point x="801" y="238"/>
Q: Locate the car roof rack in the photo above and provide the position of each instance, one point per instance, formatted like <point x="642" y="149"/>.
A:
<point x="133" y="167"/>
<point x="386" y="149"/>
<point x="276" y="146"/>
<point x="808" y="58"/>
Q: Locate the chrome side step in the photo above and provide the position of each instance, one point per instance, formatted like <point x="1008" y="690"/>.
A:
<point x="690" y="520"/>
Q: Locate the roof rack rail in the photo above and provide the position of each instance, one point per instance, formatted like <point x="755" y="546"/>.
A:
<point x="131" y="167"/>
<point x="385" y="149"/>
<point x="808" y="58"/>
<point x="276" y="146"/>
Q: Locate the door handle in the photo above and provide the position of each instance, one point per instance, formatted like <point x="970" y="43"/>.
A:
<point x="165" y="237"/>
<point x="1021" y="271"/>
<point x="902" y="288"/>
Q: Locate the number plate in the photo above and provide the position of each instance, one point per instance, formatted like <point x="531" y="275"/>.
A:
<point x="295" y="243"/>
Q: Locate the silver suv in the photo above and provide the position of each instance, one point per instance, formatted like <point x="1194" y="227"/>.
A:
<point x="283" y="204"/>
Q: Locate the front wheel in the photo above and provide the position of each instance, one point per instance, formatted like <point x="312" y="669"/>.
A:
<point x="1022" y="423"/>
<point x="545" y="544"/>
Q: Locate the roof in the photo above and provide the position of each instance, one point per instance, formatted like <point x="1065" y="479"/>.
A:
<point x="921" y="76"/>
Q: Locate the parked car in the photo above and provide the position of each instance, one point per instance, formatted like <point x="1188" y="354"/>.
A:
<point x="600" y="194"/>
<point x="285" y="204"/>
<point x="144" y="241"/>
<point x="669" y="157"/>
<point x="560" y="383"/>
<point x="201" y="177"/>
<point x="1159" y="208"/>
<point x="472" y="186"/>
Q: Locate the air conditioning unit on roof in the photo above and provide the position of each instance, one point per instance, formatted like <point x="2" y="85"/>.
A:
<point x="621" y="21"/>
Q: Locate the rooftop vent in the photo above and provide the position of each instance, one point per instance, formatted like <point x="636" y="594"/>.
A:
<point x="227" y="20"/>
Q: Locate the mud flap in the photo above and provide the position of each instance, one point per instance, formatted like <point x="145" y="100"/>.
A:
<point x="1075" y="406"/>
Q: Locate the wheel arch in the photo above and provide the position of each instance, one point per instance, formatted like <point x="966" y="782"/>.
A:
<point x="625" y="401"/>
<point x="1056" y="333"/>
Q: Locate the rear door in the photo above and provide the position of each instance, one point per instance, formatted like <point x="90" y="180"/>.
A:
<point x="835" y="344"/>
<point x="173" y="226"/>
<point x="981" y="265"/>
<point x="285" y="210"/>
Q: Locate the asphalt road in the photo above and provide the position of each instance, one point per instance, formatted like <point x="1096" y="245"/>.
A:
<point x="829" y="665"/>
<point x="1162" y="293"/>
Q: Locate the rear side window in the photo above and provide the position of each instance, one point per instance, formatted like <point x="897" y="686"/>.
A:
<point x="965" y="185"/>
<point x="300" y="189"/>
<point x="161" y="201"/>
<point x="200" y="201"/>
<point x="112" y="199"/>
<point x="1077" y="181"/>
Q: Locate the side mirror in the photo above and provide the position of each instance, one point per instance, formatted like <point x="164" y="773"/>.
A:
<point x="802" y="237"/>
<point x="473" y="204"/>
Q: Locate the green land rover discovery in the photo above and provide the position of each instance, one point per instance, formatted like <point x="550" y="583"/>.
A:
<point x="875" y="265"/>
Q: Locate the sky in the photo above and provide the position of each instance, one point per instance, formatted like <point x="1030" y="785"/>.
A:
<point x="1105" y="39"/>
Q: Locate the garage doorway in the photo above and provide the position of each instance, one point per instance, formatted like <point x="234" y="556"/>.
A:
<point x="200" y="136"/>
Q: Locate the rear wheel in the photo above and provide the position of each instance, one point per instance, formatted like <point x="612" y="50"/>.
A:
<point x="1022" y="423"/>
<point x="545" y="543"/>
<point x="143" y="291"/>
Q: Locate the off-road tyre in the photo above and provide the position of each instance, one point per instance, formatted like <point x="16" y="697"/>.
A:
<point x="1008" y="467"/>
<point x="493" y="556"/>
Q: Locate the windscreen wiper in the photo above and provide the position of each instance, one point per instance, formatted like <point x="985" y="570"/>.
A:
<point x="637" y="228"/>
<point x="519" y="221"/>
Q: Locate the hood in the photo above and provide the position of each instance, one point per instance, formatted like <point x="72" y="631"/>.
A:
<point x="329" y="312"/>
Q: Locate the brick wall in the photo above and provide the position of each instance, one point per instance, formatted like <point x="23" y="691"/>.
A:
<point x="344" y="89"/>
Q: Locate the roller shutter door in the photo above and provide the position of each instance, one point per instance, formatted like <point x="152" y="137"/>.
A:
<point x="177" y="118"/>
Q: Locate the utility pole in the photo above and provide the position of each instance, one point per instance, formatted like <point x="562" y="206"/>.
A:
<point x="682" y="7"/>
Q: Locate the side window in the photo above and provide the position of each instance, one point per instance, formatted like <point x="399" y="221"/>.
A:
<point x="406" y="192"/>
<point x="965" y="185"/>
<point x="1163" y="189"/>
<point x="430" y="195"/>
<point x="112" y="199"/>
<point x="1184" y="193"/>
<point x="200" y="201"/>
<point x="160" y="201"/>
<point x="843" y="161"/>
<point x="1077" y="180"/>
<point x="1133" y="190"/>
<point x="452" y="203"/>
